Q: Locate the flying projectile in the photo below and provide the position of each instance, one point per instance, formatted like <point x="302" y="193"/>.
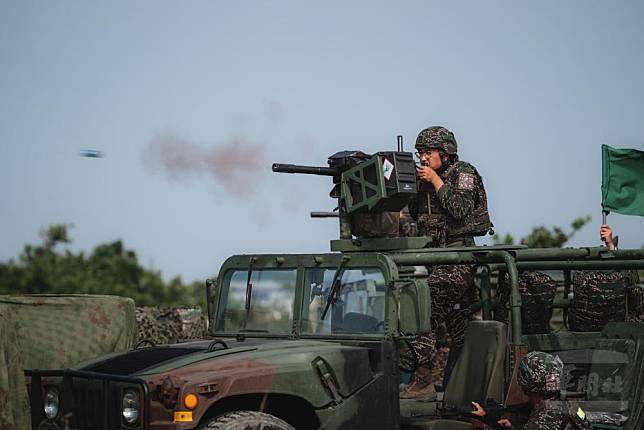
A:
<point x="91" y="153"/>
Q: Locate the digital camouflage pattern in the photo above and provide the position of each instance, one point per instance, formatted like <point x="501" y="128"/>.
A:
<point x="437" y="137"/>
<point x="167" y="325"/>
<point x="458" y="210"/>
<point x="599" y="297"/>
<point x="635" y="301"/>
<point x="452" y="292"/>
<point x="537" y="295"/>
<point x="540" y="372"/>
<point x="554" y="415"/>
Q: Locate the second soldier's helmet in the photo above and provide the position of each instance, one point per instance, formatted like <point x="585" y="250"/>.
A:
<point x="436" y="138"/>
<point x="540" y="372"/>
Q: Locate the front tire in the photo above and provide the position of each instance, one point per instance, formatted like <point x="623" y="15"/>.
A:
<point x="246" y="420"/>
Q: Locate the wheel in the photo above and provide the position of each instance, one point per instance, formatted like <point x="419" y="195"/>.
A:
<point x="246" y="420"/>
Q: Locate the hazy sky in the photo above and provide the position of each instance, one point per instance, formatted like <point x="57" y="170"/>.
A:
<point x="530" y="89"/>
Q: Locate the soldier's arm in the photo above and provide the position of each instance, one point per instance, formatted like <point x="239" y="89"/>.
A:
<point x="543" y="420"/>
<point x="457" y="195"/>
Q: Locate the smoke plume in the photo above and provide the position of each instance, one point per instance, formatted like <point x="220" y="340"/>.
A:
<point x="236" y="165"/>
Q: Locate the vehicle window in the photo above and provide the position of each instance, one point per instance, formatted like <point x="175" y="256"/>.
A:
<point x="271" y="302"/>
<point x="359" y="309"/>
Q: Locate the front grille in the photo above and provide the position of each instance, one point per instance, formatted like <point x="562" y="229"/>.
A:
<point x="88" y="400"/>
<point x="96" y="405"/>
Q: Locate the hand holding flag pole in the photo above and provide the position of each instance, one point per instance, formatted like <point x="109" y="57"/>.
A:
<point x="622" y="186"/>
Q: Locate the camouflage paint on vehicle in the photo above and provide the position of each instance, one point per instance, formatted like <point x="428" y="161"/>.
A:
<point x="337" y="379"/>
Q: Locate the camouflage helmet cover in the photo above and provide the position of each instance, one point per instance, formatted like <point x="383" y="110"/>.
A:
<point x="436" y="138"/>
<point x="540" y="372"/>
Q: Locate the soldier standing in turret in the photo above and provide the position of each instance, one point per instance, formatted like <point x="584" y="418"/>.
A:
<point x="451" y="208"/>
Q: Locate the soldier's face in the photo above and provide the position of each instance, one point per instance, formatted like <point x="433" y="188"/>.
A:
<point x="431" y="158"/>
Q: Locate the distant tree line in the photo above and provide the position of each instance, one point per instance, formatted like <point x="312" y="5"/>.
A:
<point x="543" y="237"/>
<point x="110" y="268"/>
<point x="113" y="269"/>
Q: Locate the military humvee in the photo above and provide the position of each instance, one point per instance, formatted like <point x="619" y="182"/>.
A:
<point x="313" y="341"/>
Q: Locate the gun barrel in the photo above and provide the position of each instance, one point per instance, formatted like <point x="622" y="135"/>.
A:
<point x="324" y="215"/>
<point x="309" y="170"/>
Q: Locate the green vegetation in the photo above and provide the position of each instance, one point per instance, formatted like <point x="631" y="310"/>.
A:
<point x="109" y="269"/>
<point x="543" y="237"/>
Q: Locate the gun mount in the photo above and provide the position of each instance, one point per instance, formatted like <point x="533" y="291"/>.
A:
<point x="370" y="189"/>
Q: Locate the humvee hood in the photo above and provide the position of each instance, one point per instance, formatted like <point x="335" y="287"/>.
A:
<point x="277" y="363"/>
<point x="165" y="358"/>
<point x="279" y="366"/>
<point x="145" y="360"/>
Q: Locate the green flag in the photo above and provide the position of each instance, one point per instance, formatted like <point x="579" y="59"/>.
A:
<point x="623" y="181"/>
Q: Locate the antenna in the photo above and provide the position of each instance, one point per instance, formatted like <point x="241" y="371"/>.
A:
<point x="399" y="140"/>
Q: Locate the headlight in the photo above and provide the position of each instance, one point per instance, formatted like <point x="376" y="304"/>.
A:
<point x="51" y="403"/>
<point x="130" y="406"/>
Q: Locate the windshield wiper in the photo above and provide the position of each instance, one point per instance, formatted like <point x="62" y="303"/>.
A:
<point x="249" y="287"/>
<point x="335" y="285"/>
<point x="253" y="330"/>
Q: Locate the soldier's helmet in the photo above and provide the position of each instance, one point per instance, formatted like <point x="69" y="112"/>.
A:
<point x="436" y="138"/>
<point x="540" y="372"/>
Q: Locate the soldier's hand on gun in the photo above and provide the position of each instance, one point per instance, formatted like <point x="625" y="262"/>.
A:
<point x="606" y="235"/>
<point x="505" y="423"/>
<point x="478" y="410"/>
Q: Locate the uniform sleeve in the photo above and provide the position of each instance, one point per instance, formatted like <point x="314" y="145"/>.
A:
<point x="457" y="195"/>
<point x="544" y="420"/>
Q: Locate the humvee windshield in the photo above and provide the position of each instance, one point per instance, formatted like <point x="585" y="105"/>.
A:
<point x="359" y="308"/>
<point x="272" y="295"/>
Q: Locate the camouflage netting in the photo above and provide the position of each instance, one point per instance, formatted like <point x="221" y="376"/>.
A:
<point x="599" y="298"/>
<point x="537" y="296"/>
<point x="55" y="331"/>
<point x="163" y="325"/>
<point x="14" y="414"/>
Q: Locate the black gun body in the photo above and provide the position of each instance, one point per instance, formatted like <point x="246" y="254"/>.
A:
<point x="308" y="170"/>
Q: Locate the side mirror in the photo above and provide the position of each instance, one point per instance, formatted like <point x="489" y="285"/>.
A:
<point x="414" y="311"/>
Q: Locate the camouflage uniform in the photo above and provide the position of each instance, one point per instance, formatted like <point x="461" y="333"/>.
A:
<point x="600" y="297"/>
<point x="451" y="295"/>
<point x="458" y="211"/>
<point x="635" y="300"/>
<point x="540" y="372"/>
<point x="451" y="217"/>
<point x="537" y="295"/>
<point x="548" y="415"/>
